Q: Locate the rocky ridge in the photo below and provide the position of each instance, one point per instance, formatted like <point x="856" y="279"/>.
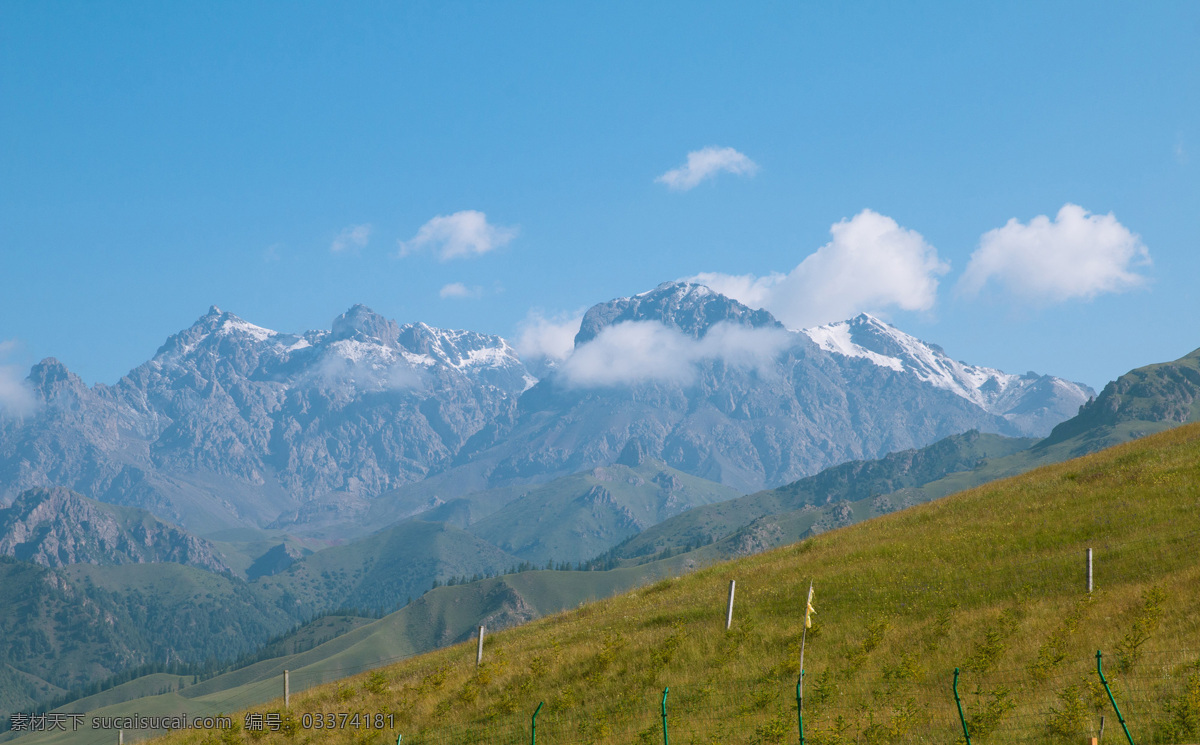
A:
<point x="56" y="527"/>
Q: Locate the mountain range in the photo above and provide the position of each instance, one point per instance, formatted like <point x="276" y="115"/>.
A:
<point x="249" y="480"/>
<point x="231" y="425"/>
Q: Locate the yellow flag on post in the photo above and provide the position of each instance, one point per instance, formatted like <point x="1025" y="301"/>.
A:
<point x="808" y="610"/>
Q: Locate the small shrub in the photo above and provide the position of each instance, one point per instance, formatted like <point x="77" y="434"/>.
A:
<point x="1068" y="721"/>
<point x="1145" y="621"/>
<point x="907" y="668"/>
<point x="984" y="721"/>
<point x="1054" y="650"/>
<point x="376" y="683"/>
<point x="875" y="633"/>
<point x="538" y="666"/>
<point x="1183" y="710"/>
<point x="939" y="630"/>
<point x="432" y="681"/>
<point x="776" y="730"/>
<point x="564" y="699"/>
<point x="834" y="734"/>
<point x="995" y="640"/>
<point x="897" y="725"/>
<point x="664" y="652"/>
<point x="823" y="688"/>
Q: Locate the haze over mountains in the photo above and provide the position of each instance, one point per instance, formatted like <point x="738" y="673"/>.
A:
<point x="232" y="425"/>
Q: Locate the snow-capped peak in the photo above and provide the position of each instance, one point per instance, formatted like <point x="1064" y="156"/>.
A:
<point x="235" y="325"/>
<point x="869" y="338"/>
<point x="680" y="289"/>
<point x="836" y="337"/>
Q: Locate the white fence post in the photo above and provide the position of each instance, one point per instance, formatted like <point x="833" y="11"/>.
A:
<point x="729" y="611"/>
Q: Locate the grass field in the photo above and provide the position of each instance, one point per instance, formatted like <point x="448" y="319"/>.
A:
<point x="990" y="581"/>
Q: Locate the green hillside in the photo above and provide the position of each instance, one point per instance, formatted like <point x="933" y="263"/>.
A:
<point x="989" y="581"/>
<point x="69" y="627"/>
<point x="574" y="518"/>
<point x="387" y="568"/>
<point x="849" y="482"/>
<point x="1140" y="402"/>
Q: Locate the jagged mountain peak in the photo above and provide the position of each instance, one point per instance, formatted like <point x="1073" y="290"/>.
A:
<point x="50" y="377"/>
<point x="361" y="321"/>
<point x="212" y="327"/>
<point x="418" y="342"/>
<point x="50" y="369"/>
<point x="680" y="289"/>
<point x="865" y="335"/>
<point x="685" y="306"/>
<point x="459" y="349"/>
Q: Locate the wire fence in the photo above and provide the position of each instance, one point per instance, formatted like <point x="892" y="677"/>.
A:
<point x="1154" y="701"/>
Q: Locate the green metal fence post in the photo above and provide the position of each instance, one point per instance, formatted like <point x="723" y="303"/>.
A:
<point x="533" y="725"/>
<point x="664" y="712"/>
<point x="800" y="705"/>
<point x="1108" y="690"/>
<point x="958" y="701"/>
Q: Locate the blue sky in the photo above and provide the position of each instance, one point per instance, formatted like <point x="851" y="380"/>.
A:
<point x="287" y="160"/>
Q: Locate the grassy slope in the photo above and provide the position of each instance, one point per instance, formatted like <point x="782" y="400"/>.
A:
<point x="242" y="546"/>
<point x="850" y="482"/>
<point x="445" y="615"/>
<point x="386" y="568"/>
<point x="989" y="580"/>
<point x="571" y="519"/>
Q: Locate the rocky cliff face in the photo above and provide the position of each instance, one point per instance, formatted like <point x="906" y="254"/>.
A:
<point x="55" y="527"/>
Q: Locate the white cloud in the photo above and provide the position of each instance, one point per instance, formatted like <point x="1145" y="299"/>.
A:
<point x="459" y="290"/>
<point x="1076" y="255"/>
<point x="642" y="351"/>
<point x="547" y="338"/>
<point x="747" y="289"/>
<point x="372" y="372"/>
<point x="16" y="398"/>
<point x="465" y="233"/>
<point x="872" y="264"/>
<point x="706" y="163"/>
<point x="353" y="237"/>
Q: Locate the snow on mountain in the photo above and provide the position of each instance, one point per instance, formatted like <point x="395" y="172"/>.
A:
<point x="998" y="392"/>
<point x="360" y="340"/>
